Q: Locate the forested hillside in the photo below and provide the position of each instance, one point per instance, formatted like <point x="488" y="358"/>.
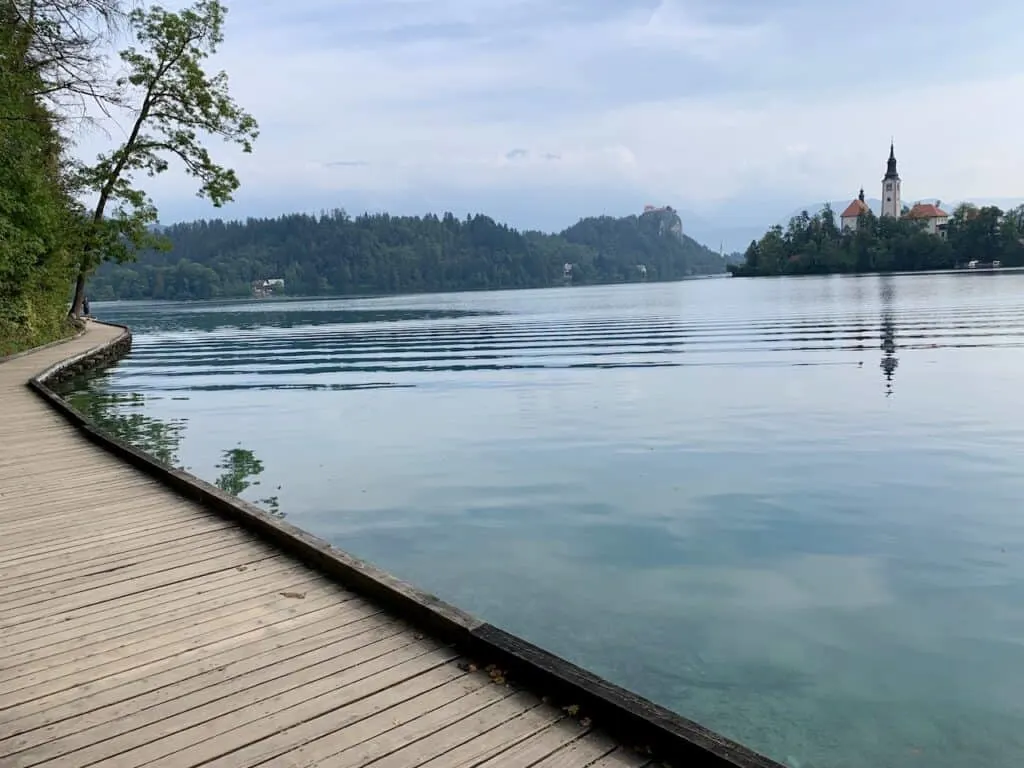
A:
<point x="335" y="254"/>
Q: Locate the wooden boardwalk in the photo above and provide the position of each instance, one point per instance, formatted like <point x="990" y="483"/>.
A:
<point x="138" y="628"/>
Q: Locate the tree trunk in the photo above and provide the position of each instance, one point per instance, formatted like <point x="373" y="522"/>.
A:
<point x="105" y="193"/>
<point x="76" y="305"/>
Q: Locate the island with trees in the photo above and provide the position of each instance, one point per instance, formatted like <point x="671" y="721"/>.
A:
<point x="333" y="253"/>
<point x="815" y="245"/>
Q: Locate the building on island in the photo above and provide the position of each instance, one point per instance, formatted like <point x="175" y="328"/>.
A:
<point x="848" y="218"/>
<point x="932" y="218"/>
<point x="891" y="186"/>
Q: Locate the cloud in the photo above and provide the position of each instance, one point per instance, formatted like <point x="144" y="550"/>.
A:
<point x="709" y="106"/>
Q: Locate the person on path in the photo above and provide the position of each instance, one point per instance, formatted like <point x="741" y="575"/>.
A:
<point x="85" y="306"/>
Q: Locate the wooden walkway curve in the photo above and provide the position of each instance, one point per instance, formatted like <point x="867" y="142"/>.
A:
<point x="138" y="628"/>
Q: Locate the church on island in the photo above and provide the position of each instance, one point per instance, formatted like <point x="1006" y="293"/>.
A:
<point x="932" y="217"/>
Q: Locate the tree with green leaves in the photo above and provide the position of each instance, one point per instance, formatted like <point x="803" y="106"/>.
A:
<point x="36" y="211"/>
<point x="174" y="104"/>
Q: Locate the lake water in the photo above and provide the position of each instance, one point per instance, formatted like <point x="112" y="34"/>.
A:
<point x="790" y="509"/>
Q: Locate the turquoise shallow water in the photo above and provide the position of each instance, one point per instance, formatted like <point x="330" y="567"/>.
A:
<point x="789" y="509"/>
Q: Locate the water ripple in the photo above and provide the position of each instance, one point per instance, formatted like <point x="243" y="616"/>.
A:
<point x="339" y="351"/>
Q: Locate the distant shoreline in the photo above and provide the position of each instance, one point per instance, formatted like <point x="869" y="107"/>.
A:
<point x="354" y="296"/>
<point x="901" y="273"/>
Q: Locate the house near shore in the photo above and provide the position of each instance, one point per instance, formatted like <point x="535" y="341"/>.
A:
<point x="932" y="218"/>
<point x="266" y="286"/>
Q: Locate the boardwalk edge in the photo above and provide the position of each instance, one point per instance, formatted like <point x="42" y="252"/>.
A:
<point x="622" y="714"/>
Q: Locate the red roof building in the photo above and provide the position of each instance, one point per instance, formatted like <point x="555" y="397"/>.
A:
<point x="848" y="218"/>
<point x="931" y="217"/>
<point x="927" y="211"/>
<point x="855" y="209"/>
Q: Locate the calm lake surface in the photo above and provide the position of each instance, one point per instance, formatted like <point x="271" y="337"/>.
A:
<point x="790" y="509"/>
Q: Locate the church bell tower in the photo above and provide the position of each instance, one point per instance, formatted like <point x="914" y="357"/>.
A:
<point x="891" y="205"/>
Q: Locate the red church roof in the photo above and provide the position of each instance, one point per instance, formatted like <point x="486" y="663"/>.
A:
<point x="855" y="209"/>
<point x="926" y="211"/>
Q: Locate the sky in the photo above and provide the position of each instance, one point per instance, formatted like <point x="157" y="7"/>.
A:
<point x="539" y="112"/>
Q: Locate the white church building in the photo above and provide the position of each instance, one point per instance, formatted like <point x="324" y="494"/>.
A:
<point x="932" y="217"/>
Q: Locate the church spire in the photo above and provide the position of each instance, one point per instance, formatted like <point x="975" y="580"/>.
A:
<point x="890" y="171"/>
<point x="861" y="195"/>
<point x="891" y="205"/>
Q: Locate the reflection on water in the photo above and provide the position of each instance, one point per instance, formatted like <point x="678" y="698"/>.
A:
<point x="702" y="491"/>
<point x="889" y="359"/>
<point x="120" y="415"/>
<point x="239" y="468"/>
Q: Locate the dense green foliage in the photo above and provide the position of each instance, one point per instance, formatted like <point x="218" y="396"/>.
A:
<point x="37" y="215"/>
<point x="815" y="245"/>
<point x="52" y="68"/>
<point x="335" y="254"/>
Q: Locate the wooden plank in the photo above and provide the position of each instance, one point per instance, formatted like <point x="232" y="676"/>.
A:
<point x="226" y="656"/>
<point x="229" y="682"/>
<point x="79" y="564"/>
<point x="140" y="540"/>
<point x="508" y="736"/>
<point x="106" y="672"/>
<point x="582" y="752"/>
<point x="246" y="724"/>
<point x="71" y="557"/>
<point x="242" y="555"/>
<point x="76" y="511"/>
<point x="622" y="758"/>
<point x="123" y="636"/>
<point x="81" y="510"/>
<point x="366" y="743"/>
<point x="374" y="715"/>
<point x="448" y="738"/>
<point x="67" y="637"/>
<point x="145" y="732"/>
<point x="94" y="580"/>
<point x="127" y="606"/>
<point x="539" y="746"/>
<point x="88" y="481"/>
<point x="86" y="662"/>
<point x="111" y="536"/>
